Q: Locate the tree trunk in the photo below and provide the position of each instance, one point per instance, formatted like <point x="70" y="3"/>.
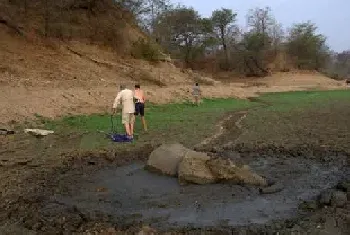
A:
<point x="222" y="31"/>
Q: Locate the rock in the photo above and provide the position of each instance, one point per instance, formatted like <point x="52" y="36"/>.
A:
<point x="226" y="170"/>
<point x="339" y="199"/>
<point x="344" y="186"/>
<point x="146" y="230"/>
<point x="275" y="188"/>
<point x="309" y="205"/>
<point x="325" y="197"/>
<point x="347" y="219"/>
<point x="193" y="169"/>
<point x="166" y="159"/>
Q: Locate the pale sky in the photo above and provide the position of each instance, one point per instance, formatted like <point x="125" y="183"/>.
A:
<point x="331" y="16"/>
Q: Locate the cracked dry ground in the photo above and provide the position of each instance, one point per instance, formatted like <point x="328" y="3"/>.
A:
<point x="33" y="170"/>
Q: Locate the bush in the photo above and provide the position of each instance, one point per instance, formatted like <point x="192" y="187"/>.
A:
<point x="146" y="50"/>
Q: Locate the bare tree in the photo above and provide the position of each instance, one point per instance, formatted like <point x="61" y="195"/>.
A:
<point x="221" y="20"/>
<point x="276" y="34"/>
<point x="260" y="19"/>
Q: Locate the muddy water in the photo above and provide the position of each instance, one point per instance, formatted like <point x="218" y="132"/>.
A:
<point x="130" y="195"/>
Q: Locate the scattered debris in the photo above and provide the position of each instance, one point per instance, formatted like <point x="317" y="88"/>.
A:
<point x="275" y="188"/>
<point x="38" y="132"/>
<point x="6" y="132"/>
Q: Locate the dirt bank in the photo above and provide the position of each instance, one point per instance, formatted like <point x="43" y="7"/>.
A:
<point x="18" y="103"/>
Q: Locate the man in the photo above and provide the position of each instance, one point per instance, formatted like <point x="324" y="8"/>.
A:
<point x="140" y="105"/>
<point x="196" y="92"/>
<point x="126" y="97"/>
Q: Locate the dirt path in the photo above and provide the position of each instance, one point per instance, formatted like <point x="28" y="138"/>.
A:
<point x="235" y="118"/>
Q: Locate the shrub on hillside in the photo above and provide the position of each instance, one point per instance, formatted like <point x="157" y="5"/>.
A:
<point x="146" y="50"/>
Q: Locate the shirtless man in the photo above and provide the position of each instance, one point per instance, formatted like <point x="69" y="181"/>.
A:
<point x="140" y="105"/>
<point x="126" y="97"/>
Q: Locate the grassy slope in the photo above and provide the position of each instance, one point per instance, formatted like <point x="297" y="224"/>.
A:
<point x="314" y="117"/>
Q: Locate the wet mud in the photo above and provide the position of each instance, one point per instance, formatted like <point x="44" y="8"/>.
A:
<point x="72" y="192"/>
<point x="130" y="195"/>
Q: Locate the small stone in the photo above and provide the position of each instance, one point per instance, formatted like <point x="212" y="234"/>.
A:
<point x="325" y="197"/>
<point x="309" y="206"/>
<point x="101" y="190"/>
<point x="339" y="199"/>
<point x="146" y="230"/>
<point x="344" y="186"/>
<point x="347" y="219"/>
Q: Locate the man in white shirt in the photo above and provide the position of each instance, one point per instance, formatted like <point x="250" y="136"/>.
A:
<point x="126" y="97"/>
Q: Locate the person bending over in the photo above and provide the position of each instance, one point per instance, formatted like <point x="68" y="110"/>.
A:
<point x="126" y="98"/>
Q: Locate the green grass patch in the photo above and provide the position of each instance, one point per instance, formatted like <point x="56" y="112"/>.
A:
<point x="303" y="99"/>
<point x="180" y="122"/>
<point x="188" y="124"/>
<point x="297" y="117"/>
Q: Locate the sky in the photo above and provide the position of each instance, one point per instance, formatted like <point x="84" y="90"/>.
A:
<point x="332" y="17"/>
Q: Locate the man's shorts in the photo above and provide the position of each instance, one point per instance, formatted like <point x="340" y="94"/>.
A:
<point x="128" y="118"/>
<point x="140" y="109"/>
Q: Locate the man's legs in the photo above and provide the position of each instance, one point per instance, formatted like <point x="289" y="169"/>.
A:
<point x="131" y="124"/>
<point x="144" y="124"/>
<point x="126" y="122"/>
<point x="196" y="99"/>
<point x="142" y="114"/>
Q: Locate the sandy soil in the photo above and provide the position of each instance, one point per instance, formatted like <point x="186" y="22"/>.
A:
<point x="24" y="102"/>
<point x="51" y="78"/>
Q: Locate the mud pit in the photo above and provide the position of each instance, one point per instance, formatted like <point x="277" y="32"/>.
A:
<point x="130" y="195"/>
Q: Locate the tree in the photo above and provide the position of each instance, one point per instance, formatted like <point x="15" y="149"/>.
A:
<point x="146" y="11"/>
<point x="260" y="20"/>
<point x="338" y="65"/>
<point x="276" y="34"/>
<point x="183" y="33"/>
<point x="308" y="48"/>
<point x="263" y="32"/>
<point x="221" y="20"/>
